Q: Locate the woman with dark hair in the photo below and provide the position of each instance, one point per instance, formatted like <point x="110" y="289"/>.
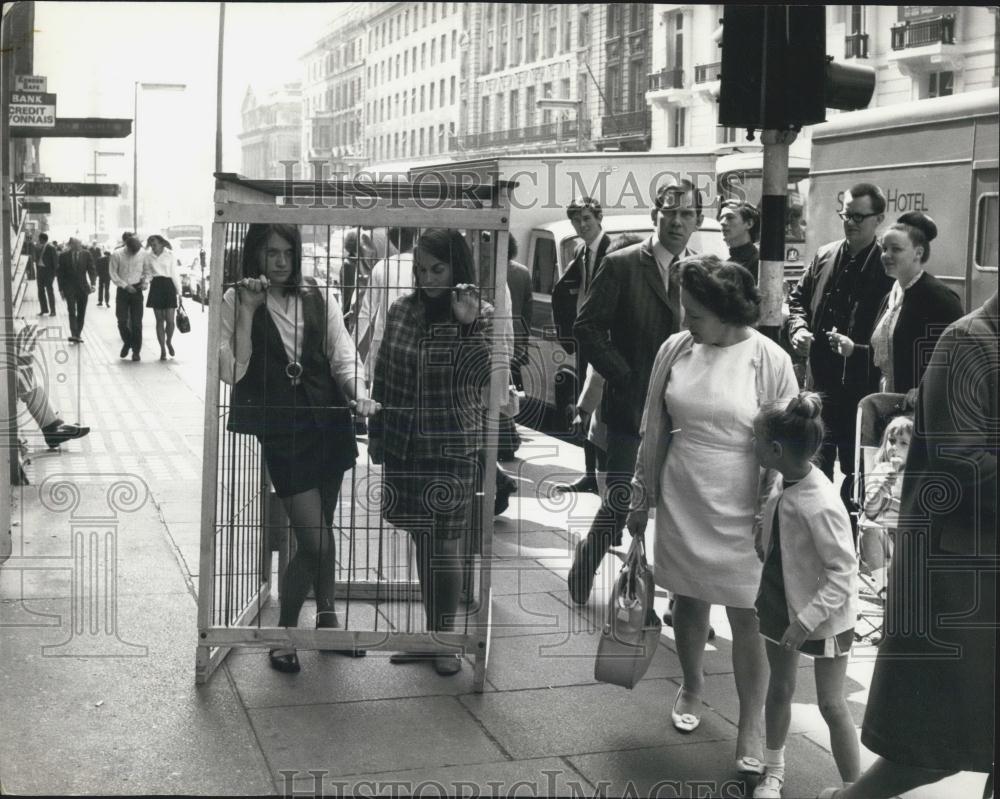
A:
<point x="294" y="372"/>
<point x="740" y="230"/>
<point x="914" y="312"/>
<point x="697" y="468"/>
<point x="164" y="289"/>
<point x="430" y="372"/>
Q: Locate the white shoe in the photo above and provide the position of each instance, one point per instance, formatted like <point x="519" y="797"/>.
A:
<point x="769" y="787"/>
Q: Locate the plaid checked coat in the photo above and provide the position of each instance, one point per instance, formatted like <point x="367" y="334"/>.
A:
<point x="432" y="381"/>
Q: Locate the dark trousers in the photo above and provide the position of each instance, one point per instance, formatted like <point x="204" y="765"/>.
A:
<point x="46" y="294"/>
<point x="840" y="413"/>
<point x="610" y="517"/>
<point x="77" y="306"/>
<point x="103" y="289"/>
<point x="128" y="311"/>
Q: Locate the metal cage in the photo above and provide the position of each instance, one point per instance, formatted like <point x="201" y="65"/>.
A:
<point x="242" y="523"/>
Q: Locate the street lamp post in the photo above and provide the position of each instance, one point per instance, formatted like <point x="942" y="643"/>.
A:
<point x="135" y="141"/>
<point x="554" y="102"/>
<point x="96" y="174"/>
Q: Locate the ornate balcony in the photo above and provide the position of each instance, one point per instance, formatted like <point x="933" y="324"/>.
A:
<point x="856" y="45"/>
<point x="708" y="73"/>
<point x="550" y="131"/>
<point x="920" y="33"/>
<point x="629" y="128"/>
<point x="666" y="79"/>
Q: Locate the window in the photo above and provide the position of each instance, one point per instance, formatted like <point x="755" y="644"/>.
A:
<point x="454" y="44"/>
<point x="421" y="98"/>
<point x="551" y="30"/>
<point x="581" y="94"/>
<point x="635" y="17"/>
<point x="484" y="114"/>
<point x="857" y="19"/>
<point x="940" y="84"/>
<point x="502" y="34"/>
<point x="564" y="85"/>
<point x="680" y="125"/>
<point x="677" y="24"/>
<point x="614" y="20"/>
<point x="434" y="12"/>
<point x="583" y="30"/>
<point x="430" y="138"/>
<point x="444" y="46"/>
<point x="547" y="93"/>
<point x="529" y="106"/>
<point x="430" y="102"/>
<point x="406" y="22"/>
<point x="498" y="106"/>
<point x="452" y="93"/>
<point x="636" y="86"/>
<point x="441" y="93"/>
<point x="517" y="53"/>
<point x="514" y="110"/>
<point x="987" y="220"/>
<point x="535" y="33"/>
<point x="423" y="55"/>
<point x="441" y="141"/>
<point x="404" y="104"/>
<point x="434" y="49"/>
<point x="421" y="142"/>
<point x="613" y="89"/>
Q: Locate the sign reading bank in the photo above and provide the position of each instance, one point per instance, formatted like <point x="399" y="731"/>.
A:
<point x="30" y="104"/>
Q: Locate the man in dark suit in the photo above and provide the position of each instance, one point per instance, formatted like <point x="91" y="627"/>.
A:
<point x="45" y="274"/>
<point x="632" y="308"/>
<point x="73" y="276"/>
<point x="568" y="296"/>
<point x="842" y="291"/>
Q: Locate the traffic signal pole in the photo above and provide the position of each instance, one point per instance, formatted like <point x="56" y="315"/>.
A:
<point x="773" y="205"/>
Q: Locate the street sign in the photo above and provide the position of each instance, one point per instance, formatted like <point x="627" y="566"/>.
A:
<point x="36" y="207"/>
<point x="82" y="127"/>
<point x="36" y="109"/>
<point x="53" y="189"/>
<point x="29" y="83"/>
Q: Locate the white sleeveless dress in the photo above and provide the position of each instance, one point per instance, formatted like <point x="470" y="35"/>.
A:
<point x="709" y="482"/>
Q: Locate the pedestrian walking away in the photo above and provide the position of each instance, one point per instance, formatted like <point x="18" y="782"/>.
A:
<point x="74" y="279"/>
<point x="295" y="372"/>
<point x="45" y="274"/>
<point x="126" y="268"/>
<point x="164" y="288"/>
<point x="103" y="280"/>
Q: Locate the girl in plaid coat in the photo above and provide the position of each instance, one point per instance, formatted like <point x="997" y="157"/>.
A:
<point x="430" y="376"/>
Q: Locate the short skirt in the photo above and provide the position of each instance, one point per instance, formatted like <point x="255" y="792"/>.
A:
<point x="299" y="462"/>
<point x="432" y="494"/>
<point x="162" y="293"/>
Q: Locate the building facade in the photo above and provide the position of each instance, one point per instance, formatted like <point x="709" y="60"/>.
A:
<point x="412" y="81"/>
<point x="271" y="131"/>
<point x="333" y="95"/>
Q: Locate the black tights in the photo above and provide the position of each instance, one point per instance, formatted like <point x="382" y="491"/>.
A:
<point x="314" y="564"/>
<point x="440" y="570"/>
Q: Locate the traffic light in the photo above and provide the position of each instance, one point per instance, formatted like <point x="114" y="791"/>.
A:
<point x="775" y="71"/>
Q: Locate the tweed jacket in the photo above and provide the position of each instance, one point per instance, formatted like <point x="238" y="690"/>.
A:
<point x="928" y="307"/>
<point x="432" y="381"/>
<point x="74" y="281"/>
<point x="953" y="454"/>
<point x="819" y="565"/>
<point x="774" y="379"/>
<point x="807" y="308"/>
<point x="626" y="317"/>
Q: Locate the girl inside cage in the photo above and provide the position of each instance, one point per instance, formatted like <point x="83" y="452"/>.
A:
<point x="430" y="374"/>
<point x="295" y="376"/>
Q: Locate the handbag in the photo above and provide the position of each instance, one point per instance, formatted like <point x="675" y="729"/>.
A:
<point x="183" y="320"/>
<point x="631" y="629"/>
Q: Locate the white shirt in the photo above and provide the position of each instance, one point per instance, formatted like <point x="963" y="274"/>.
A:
<point x="162" y="265"/>
<point x="286" y="312"/>
<point x="391" y="278"/>
<point x="126" y="269"/>
<point x="664" y="260"/>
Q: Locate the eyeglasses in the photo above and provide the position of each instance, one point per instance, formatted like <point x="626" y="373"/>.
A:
<point x="857" y="219"/>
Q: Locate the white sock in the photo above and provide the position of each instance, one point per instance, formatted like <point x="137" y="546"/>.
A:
<point x="774" y="762"/>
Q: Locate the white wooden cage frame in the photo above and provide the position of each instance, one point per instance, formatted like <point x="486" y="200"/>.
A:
<point x="373" y="205"/>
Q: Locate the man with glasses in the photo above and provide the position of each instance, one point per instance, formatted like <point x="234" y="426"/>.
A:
<point x="841" y="291"/>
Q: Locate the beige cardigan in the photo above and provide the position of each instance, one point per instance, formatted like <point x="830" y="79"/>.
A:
<point x="775" y="380"/>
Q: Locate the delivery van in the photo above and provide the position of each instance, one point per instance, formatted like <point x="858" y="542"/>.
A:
<point x="938" y="156"/>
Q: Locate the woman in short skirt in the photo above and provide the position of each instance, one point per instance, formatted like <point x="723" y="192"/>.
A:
<point x="164" y="289"/>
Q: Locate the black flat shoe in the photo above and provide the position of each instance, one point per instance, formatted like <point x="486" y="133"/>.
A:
<point x="284" y="660"/>
<point x="333" y="624"/>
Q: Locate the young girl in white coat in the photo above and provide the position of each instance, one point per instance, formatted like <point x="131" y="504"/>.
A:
<point x="807" y="598"/>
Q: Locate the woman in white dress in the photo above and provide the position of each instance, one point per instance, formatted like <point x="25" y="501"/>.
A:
<point x="705" y="388"/>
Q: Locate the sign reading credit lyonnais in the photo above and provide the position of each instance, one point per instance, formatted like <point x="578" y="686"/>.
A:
<point x="37" y="109"/>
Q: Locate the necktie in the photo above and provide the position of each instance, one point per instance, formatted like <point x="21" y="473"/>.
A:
<point x="586" y="269"/>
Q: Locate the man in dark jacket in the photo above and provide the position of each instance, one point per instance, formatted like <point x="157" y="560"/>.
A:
<point x="568" y="296"/>
<point x="740" y="228"/>
<point x="45" y="274"/>
<point x="73" y="275"/>
<point x="842" y="290"/>
<point x="632" y="308"/>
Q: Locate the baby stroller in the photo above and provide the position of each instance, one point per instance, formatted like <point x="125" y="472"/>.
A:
<point x="874" y="414"/>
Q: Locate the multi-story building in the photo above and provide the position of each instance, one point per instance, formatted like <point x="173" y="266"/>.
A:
<point x="271" y="131"/>
<point x="333" y="95"/>
<point x="917" y="52"/>
<point x="412" y="81"/>
<point x="623" y="58"/>
<point x="520" y="53"/>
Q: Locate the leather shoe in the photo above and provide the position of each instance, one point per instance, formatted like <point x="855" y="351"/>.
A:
<point x="447" y="665"/>
<point x="56" y="434"/>
<point x="589" y="554"/>
<point x="284" y="660"/>
<point x="585" y="485"/>
<point x="136" y="357"/>
<point x="124" y="352"/>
